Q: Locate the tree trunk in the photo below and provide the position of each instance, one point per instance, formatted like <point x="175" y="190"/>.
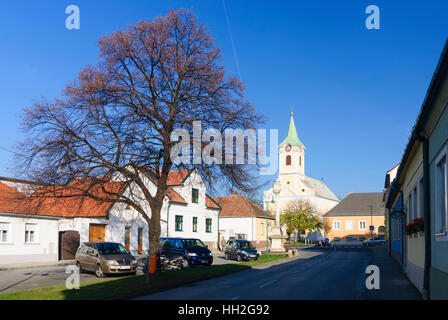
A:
<point x="154" y="236"/>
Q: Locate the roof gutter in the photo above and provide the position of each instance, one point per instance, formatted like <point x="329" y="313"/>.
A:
<point x="426" y="218"/>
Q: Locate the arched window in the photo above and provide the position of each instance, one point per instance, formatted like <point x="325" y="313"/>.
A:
<point x="300" y="161"/>
<point x="288" y="160"/>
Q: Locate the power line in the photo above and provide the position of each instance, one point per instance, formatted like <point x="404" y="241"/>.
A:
<point x="6" y="149"/>
<point x="231" y="39"/>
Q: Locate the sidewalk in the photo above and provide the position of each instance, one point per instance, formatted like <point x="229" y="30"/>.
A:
<point x="27" y="265"/>
<point x="393" y="283"/>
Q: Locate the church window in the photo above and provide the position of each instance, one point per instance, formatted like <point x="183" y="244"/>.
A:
<point x="300" y="161"/>
<point x="288" y="160"/>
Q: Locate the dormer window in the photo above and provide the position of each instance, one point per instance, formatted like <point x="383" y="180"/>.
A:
<point x="288" y="160"/>
<point x="194" y="195"/>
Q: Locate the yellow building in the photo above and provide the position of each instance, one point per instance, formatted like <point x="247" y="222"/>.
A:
<point x="351" y="219"/>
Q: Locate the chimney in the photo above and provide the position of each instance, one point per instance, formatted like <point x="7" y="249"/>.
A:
<point x="350" y="192"/>
<point x="234" y="194"/>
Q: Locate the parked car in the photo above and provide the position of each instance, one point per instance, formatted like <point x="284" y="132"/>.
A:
<point x="240" y="250"/>
<point x="105" y="258"/>
<point x="376" y="241"/>
<point x="194" y="251"/>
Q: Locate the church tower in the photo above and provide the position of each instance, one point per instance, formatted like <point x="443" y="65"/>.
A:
<point x="291" y="153"/>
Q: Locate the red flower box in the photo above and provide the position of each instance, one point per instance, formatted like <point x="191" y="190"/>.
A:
<point x="416" y="225"/>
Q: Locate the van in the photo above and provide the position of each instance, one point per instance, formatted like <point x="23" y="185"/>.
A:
<point x="192" y="250"/>
<point x="105" y="258"/>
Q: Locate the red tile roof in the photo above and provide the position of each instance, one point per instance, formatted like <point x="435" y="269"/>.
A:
<point x="61" y="201"/>
<point x="174" y="196"/>
<point x="175" y="177"/>
<point x="210" y="203"/>
<point x="12" y="201"/>
<point x="239" y="206"/>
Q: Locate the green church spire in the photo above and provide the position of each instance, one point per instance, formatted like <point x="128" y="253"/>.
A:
<point x="292" y="138"/>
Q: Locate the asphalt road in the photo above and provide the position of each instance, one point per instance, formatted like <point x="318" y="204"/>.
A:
<point x="326" y="274"/>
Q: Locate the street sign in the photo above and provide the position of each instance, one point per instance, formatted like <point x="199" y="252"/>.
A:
<point x="372" y="228"/>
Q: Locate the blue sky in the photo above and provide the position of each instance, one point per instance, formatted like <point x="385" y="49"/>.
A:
<point x="356" y="92"/>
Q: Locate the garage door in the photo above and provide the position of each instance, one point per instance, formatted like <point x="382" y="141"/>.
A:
<point x="97" y="232"/>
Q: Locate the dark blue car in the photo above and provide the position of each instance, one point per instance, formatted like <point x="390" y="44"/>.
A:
<point x="193" y="250"/>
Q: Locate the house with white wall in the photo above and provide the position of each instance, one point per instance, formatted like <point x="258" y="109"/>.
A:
<point x="187" y="212"/>
<point x="24" y="236"/>
<point x="241" y="218"/>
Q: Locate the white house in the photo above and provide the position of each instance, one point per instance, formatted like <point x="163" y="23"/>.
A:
<point x="24" y="237"/>
<point x="241" y="218"/>
<point x="64" y="223"/>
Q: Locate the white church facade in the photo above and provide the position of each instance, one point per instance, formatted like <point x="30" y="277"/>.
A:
<point x="295" y="185"/>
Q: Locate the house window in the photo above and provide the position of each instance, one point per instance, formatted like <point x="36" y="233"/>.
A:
<point x="441" y="196"/>
<point x="195" y="195"/>
<point x="262" y="229"/>
<point x="127" y="231"/>
<point x="195" y="224"/>
<point x="410" y="213"/>
<point x="179" y="223"/>
<point x="4" y="232"/>
<point x="30" y="233"/>
<point x="240" y="236"/>
<point x="421" y="198"/>
<point x="208" y="225"/>
<point x="349" y="225"/>
<point x="362" y="225"/>
<point x="414" y="202"/>
<point x="336" y="225"/>
<point x="288" y="160"/>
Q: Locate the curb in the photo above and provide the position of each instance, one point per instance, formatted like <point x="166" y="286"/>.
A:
<point x="31" y="266"/>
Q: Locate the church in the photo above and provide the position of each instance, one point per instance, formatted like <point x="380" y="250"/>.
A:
<point x="295" y="185"/>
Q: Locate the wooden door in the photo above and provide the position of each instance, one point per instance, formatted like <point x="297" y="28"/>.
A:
<point x="127" y="235"/>
<point x="140" y="240"/>
<point x="68" y="244"/>
<point x="97" y="232"/>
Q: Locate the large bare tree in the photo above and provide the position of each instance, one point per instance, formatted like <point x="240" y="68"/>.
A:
<point x="116" y="118"/>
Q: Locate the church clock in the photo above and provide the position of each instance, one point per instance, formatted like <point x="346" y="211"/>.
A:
<point x="288" y="148"/>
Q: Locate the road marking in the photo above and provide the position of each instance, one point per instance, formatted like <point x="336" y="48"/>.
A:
<point x="235" y="298"/>
<point x="267" y="283"/>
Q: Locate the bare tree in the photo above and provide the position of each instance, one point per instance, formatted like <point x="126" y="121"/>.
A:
<point x="116" y="119"/>
<point x="326" y="226"/>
